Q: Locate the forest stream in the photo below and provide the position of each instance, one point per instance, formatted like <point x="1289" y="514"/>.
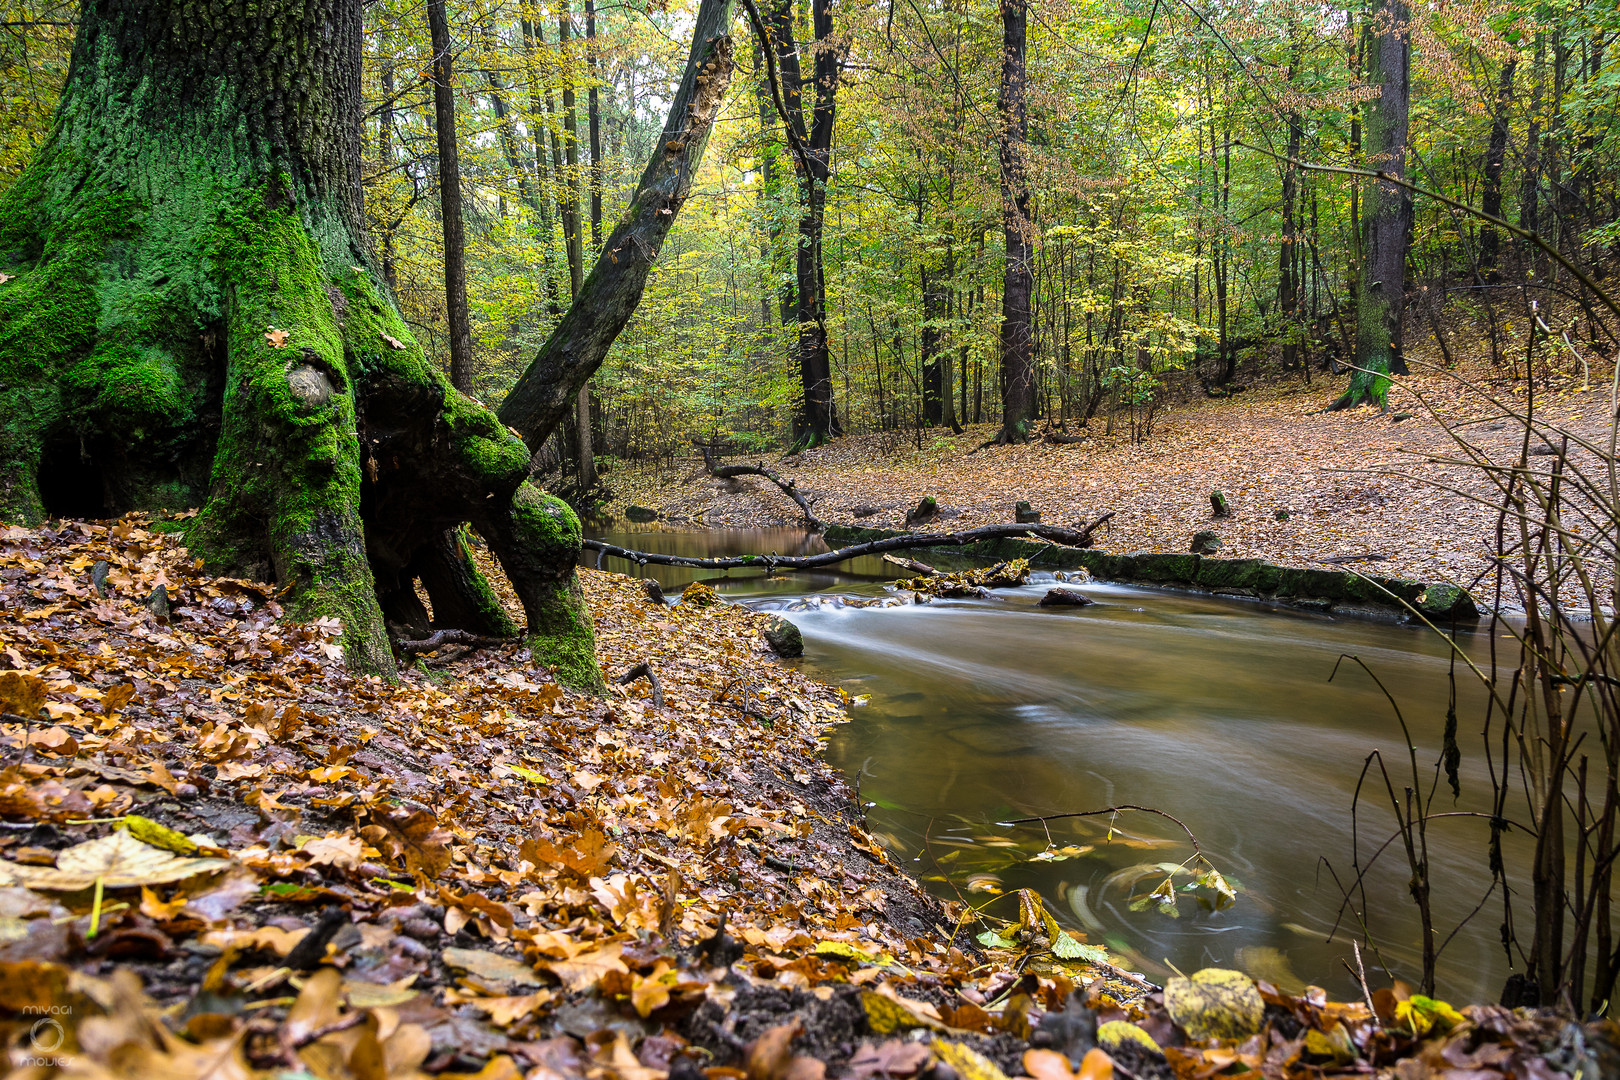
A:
<point x="1219" y="712"/>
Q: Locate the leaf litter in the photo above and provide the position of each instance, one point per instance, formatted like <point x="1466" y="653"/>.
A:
<point x="226" y="856"/>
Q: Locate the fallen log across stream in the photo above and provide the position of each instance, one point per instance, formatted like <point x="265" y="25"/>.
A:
<point x="1056" y="534"/>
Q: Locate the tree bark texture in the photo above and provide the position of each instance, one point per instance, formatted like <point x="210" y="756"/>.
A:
<point x="1490" y="241"/>
<point x="816" y="420"/>
<point x="1381" y="298"/>
<point x="550" y="385"/>
<point x="455" y="236"/>
<point x="593" y="111"/>
<point x="194" y="317"/>
<point x="1017" y="331"/>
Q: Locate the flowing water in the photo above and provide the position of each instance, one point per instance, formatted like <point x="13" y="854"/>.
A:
<point x="1217" y="712"/>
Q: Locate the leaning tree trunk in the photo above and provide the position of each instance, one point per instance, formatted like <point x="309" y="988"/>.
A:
<point x="190" y="314"/>
<point x="608" y="296"/>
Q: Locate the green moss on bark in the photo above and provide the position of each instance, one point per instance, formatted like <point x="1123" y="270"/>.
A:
<point x="565" y="639"/>
<point x="187" y="206"/>
<point x="537" y="538"/>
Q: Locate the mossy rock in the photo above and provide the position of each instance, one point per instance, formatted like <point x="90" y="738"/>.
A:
<point x="1253" y="575"/>
<point x="1100" y="564"/>
<point x="1166" y="567"/>
<point x="1381" y="588"/>
<point x="1116" y="1034"/>
<point x="1326" y="584"/>
<point x="923" y="512"/>
<point x="783" y="637"/>
<point x="1444" y="601"/>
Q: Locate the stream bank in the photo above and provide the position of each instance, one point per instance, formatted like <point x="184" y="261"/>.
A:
<point x="227" y="856"/>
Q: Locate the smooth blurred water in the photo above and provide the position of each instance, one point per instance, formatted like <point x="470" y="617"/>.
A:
<point x="1218" y="712"/>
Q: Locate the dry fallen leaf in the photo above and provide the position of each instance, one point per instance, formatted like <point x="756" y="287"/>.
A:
<point x="22" y="695"/>
<point x="772" y="1058"/>
<point x="586" y="970"/>
<point x="505" y="1011"/>
<point x="276" y="338"/>
<point x="492" y="967"/>
<point x="412" y="836"/>
<point x="117" y="860"/>
<point x="341" y="850"/>
<point x="1047" y="1065"/>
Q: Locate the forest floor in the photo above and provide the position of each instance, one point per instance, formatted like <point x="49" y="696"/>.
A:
<point x="1304" y="486"/>
<point x="223" y="855"/>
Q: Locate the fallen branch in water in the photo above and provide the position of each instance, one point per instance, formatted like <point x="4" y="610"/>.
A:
<point x="789" y="488"/>
<point x="918" y="569"/>
<point x="1046" y="818"/>
<point x="1057" y="534"/>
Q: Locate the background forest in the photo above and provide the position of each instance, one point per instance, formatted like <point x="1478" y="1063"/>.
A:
<point x="1169" y="236"/>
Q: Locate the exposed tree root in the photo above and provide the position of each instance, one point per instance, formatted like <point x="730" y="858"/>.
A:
<point x="440" y="638"/>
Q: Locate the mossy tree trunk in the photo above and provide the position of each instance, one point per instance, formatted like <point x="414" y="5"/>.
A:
<point x="190" y="315"/>
<point x="1381" y="295"/>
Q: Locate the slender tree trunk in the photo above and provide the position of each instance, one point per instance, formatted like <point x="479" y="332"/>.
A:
<point x="1287" y="280"/>
<point x="1381" y="299"/>
<point x="506" y="131"/>
<point x="537" y="122"/>
<point x="455" y="239"/>
<point x="1530" y="181"/>
<point x="593" y="110"/>
<point x="816" y="420"/>
<point x="385" y="156"/>
<point x="584" y="454"/>
<point x="1017" y="338"/>
<point x="932" y="287"/>
<point x="1495" y="155"/>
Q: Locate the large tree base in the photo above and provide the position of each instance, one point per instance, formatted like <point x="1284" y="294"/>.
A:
<point x="247" y="361"/>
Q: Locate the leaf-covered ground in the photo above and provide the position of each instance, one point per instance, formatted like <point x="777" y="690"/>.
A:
<point x="1304" y="486"/>
<point x="221" y="855"/>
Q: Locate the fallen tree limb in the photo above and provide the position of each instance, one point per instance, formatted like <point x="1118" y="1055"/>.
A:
<point x="789" y="488"/>
<point x="1057" y="534"/>
<point x="920" y="569"/>
<point x="640" y="671"/>
<point x="440" y="638"/>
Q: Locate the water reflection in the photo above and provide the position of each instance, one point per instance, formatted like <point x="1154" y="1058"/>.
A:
<point x="1213" y="711"/>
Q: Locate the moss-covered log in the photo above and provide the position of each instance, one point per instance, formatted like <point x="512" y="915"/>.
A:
<point x="190" y="315"/>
